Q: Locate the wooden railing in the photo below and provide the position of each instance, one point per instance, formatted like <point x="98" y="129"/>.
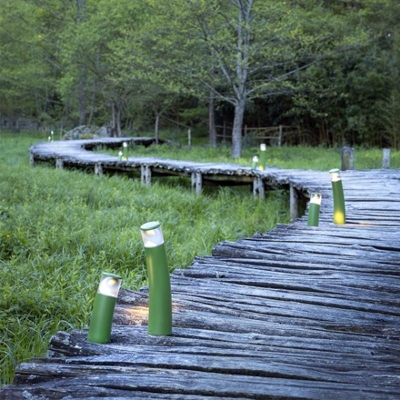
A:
<point x="272" y="134"/>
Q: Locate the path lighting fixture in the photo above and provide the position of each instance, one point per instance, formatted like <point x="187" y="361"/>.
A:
<point x="263" y="156"/>
<point x="254" y="162"/>
<point x="339" y="211"/>
<point x="313" y="209"/>
<point x="125" y="152"/>
<point x="103" y="308"/>
<point x="52" y="136"/>
<point x="160" y="301"/>
<point x="119" y="156"/>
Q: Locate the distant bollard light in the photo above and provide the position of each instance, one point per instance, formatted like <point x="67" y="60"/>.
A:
<point x="52" y="136"/>
<point x="263" y="157"/>
<point x="313" y="210"/>
<point x="119" y="156"/>
<point x="339" y="211"/>
<point x="160" y="301"/>
<point x="125" y="152"/>
<point x="103" y="308"/>
<point x="254" y="162"/>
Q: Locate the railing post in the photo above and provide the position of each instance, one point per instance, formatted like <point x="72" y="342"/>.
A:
<point x="386" y="158"/>
<point x="347" y="156"/>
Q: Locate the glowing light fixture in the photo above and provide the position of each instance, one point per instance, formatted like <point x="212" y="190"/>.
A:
<point x="313" y="209"/>
<point x="119" y="156"/>
<point x="339" y="210"/>
<point x="103" y="308"/>
<point x="160" y="301"/>
<point x="254" y="162"/>
<point x="263" y="156"/>
<point x="125" y="151"/>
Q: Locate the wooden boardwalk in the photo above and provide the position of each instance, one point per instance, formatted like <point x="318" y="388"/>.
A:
<point x="295" y="313"/>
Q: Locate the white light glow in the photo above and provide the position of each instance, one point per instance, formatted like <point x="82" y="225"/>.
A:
<point x="316" y="198"/>
<point x="109" y="285"/>
<point x="152" y="234"/>
<point x="263" y="147"/>
<point x="335" y="175"/>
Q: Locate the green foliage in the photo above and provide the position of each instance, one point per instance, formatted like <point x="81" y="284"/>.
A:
<point x="60" y="229"/>
<point x="330" y="68"/>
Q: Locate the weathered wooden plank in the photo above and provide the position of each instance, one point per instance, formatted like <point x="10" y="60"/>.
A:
<point x="298" y="312"/>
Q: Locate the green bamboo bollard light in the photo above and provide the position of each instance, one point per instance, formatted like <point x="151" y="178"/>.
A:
<point x="254" y="162"/>
<point x="119" y="156"/>
<point x="263" y="157"/>
<point x="313" y="209"/>
<point x="160" y="301"/>
<point x="339" y="210"/>
<point x="103" y="308"/>
<point x="125" y="152"/>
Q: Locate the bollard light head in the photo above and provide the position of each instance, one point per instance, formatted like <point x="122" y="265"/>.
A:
<point x="335" y="175"/>
<point x="263" y="147"/>
<point x="152" y="234"/>
<point x="109" y="285"/>
<point x="315" y="198"/>
<point x="255" y="159"/>
<point x="125" y="144"/>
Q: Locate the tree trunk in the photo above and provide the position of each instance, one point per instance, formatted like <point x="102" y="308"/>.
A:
<point x="81" y="17"/>
<point x="116" y="120"/>
<point x="211" y="121"/>
<point x="236" y="150"/>
<point x="156" y="128"/>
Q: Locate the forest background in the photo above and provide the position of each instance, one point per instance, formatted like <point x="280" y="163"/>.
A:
<point x="329" y="68"/>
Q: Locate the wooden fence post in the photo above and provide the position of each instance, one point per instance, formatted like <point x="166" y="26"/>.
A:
<point x="386" y="158"/>
<point x="347" y="156"/>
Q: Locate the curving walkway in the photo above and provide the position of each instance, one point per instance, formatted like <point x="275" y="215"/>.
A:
<point x="294" y="313"/>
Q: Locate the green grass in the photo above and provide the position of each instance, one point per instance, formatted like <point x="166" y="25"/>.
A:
<point x="59" y="229"/>
<point x="300" y="157"/>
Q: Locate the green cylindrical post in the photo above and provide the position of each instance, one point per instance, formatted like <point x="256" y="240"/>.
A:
<point x="160" y="300"/>
<point x="263" y="157"/>
<point x="254" y="162"/>
<point x="103" y="308"/>
<point x="125" y="152"/>
<point x="313" y="209"/>
<point x="339" y="210"/>
<point x="119" y="156"/>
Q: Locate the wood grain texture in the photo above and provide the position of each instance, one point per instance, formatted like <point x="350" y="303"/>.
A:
<point x="298" y="312"/>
